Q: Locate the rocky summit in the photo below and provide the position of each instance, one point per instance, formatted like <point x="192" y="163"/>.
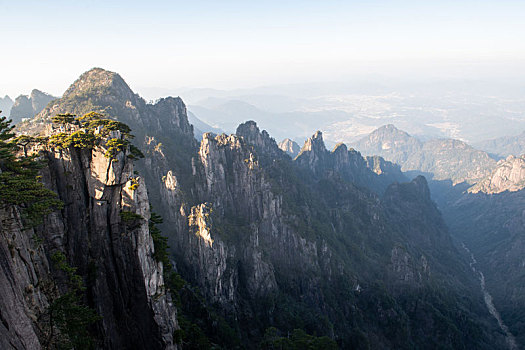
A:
<point x="329" y="250"/>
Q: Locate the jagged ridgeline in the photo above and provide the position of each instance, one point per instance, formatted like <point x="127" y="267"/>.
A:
<point x="327" y="250"/>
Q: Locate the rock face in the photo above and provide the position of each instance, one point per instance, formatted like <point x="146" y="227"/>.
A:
<point x="124" y="284"/>
<point x="22" y="108"/>
<point x="231" y="183"/>
<point x="442" y="159"/>
<point x="290" y="147"/>
<point x="25" y="269"/>
<point x="272" y="242"/>
<point x="509" y="175"/>
<point x="412" y="201"/>
<point x="29" y="106"/>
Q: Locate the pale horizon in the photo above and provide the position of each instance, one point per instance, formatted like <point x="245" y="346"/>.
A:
<point x="232" y="44"/>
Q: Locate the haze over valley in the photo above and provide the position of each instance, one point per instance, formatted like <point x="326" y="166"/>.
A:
<point x="472" y="111"/>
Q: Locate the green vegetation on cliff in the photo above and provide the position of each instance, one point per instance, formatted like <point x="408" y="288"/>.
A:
<point x="68" y="319"/>
<point x="90" y="130"/>
<point x="19" y="184"/>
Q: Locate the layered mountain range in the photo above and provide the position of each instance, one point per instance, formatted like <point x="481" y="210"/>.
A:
<point x="441" y="159"/>
<point x="331" y="244"/>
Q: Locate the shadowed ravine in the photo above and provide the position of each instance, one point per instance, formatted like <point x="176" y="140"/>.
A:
<point x="511" y="341"/>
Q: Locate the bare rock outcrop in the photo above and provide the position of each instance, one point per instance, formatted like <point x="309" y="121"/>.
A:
<point x="509" y="175"/>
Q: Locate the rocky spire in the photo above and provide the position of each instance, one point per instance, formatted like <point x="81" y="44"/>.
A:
<point x="314" y="143"/>
<point x="313" y="154"/>
<point x="265" y="146"/>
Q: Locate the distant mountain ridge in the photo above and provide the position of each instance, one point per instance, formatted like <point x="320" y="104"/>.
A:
<point x="504" y="146"/>
<point x="348" y="111"/>
<point x="442" y="158"/>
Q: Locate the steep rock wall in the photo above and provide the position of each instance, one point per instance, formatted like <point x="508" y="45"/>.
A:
<point x="124" y="284"/>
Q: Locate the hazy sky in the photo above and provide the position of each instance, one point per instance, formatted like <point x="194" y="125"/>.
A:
<point x="229" y="44"/>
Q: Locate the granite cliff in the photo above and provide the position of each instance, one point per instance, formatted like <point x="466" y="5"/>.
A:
<point x="373" y="172"/>
<point x="99" y="241"/>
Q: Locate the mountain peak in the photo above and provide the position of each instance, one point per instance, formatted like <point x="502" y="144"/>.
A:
<point x="261" y="140"/>
<point x="248" y="128"/>
<point x="340" y="147"/>
<point x="314" y="143"/>
<point x="37" y="92"/>
<point x="390" y="129"/>
<point x="415" y="191"/>
<point x="98" y="78"/>
<point x="313" y="153"/>
<point x="290" y="147"/>
<point x="386" y="138"/>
